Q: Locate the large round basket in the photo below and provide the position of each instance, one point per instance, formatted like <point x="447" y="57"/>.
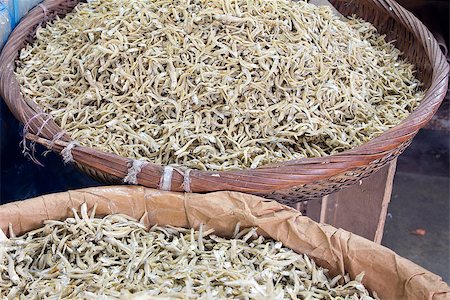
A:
<point x="339" y="251"/>
<point x="288" y="182"/>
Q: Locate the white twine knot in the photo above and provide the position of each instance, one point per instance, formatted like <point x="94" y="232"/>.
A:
<point x="44" y="9"/>
<point x="30" y="152"/>
<point x="55" y="138"/>
<point x="165" y="183"/>
<point x="66" y="153"/>
<point x="187" y="181"/>
<point x="134" y="170"/>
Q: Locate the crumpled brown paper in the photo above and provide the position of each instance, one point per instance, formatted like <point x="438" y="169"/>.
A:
<point x="389" y="275"/>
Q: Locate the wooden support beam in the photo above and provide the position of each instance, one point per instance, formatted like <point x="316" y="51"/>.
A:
<point x="361" y="208"/>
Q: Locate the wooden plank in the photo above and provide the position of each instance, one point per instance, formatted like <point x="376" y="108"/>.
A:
<point x="313" y="209"/>
<point x="361" y="208"/>
<point x="386" y="200"/>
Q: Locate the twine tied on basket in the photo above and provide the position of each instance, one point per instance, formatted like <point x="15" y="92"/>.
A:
<point x="187" y="181"/>
<point x="29" y="152"/>
<point x="66" y="153"/>
<point x="134" y="170"/>
<point x="55" y="138"/>
<point x="165" y="182"/>
<point x="166" y="178"/>
<point x="44" y="9"/>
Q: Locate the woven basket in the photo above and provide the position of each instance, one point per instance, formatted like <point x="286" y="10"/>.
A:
<point x="288" y="182"/>
<point x="339" y="251"/>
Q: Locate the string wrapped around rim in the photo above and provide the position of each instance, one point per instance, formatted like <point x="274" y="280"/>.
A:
<point x="134" y="170"/>
<point x="44" y="9"/>
<point x="187" y="181"/>
<point x="165" y="182"/>
<point x="30" y="152"/>
<point x="66" y="153"/>
<point x="57" y="137"/>
<point x="186" y="174"/>
<point x="51" y="145"/>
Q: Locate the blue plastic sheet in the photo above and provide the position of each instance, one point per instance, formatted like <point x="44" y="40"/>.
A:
<point x="11" y="12"/>
<point x="20" y="178"/>
<point x="6" y="20"/>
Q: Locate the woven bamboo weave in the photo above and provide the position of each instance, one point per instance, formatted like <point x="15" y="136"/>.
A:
<point x="289" y="182"/>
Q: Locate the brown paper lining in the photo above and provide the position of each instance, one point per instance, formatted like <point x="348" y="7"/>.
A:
<point x="389" y="275"/>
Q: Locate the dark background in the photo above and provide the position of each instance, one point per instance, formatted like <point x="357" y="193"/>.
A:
<point x="20" y="177"/>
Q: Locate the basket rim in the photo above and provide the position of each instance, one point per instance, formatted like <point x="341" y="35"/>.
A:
<point x="264" y="179"/>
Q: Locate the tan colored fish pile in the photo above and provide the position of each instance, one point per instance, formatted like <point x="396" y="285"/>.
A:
<point x="117" y="257"/>
<point x="216" y="85"/>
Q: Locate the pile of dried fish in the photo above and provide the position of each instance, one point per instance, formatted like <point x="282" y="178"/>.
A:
<point x="216" y="85"/>
<point x="116" y="256"/>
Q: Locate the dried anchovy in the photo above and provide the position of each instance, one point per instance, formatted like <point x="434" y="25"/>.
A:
<point x="217" y="85"/>
<point x="117" y="257"/>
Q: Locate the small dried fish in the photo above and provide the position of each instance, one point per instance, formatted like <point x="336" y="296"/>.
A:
<point x="160" y="263"/>
<point x="216" y="85"/>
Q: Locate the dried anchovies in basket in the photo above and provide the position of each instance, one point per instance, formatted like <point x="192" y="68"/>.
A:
<point x="216" y="85"/>
<point x="117" y="257"/>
